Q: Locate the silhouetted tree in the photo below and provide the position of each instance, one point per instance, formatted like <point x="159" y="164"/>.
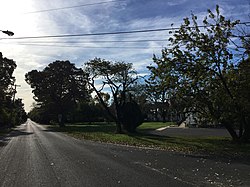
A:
<point x="58" y="88"/>
<point x="11" y="111"/>
<point x="118" y="76"/>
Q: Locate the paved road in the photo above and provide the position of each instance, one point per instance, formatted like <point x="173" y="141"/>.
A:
<point x="33" y="156"/>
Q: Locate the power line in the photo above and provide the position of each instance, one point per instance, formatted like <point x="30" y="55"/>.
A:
<point x="93" y="34"/>
<point x="106" y="33"/>
<point x="91" y="47"/>
<point x="70" y="7"/>
<point x="95" y="41"/>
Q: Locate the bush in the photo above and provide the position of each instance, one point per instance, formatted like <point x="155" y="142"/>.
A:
<point x="132" y="116"/>
<point x="4" y="118"/>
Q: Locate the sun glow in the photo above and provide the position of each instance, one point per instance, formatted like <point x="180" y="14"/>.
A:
<point x="13" y="17"/>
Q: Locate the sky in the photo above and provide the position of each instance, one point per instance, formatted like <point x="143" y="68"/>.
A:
<point x="34" y="18"/>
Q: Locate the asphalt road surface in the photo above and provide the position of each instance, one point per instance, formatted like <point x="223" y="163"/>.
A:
<point x="33" y="156"/>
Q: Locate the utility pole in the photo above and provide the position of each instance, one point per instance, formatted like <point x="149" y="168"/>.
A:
<point x="12" y="124"/>
<point x="15" y="92"/>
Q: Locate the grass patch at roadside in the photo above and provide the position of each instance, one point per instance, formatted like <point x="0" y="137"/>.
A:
<point x="154" y="125"/>
<point x="105" y="133"/>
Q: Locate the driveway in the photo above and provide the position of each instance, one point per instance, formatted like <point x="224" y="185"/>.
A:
<point x="192" y="132"/>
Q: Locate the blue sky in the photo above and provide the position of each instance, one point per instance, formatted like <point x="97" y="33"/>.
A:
<point x="25" y="20"/>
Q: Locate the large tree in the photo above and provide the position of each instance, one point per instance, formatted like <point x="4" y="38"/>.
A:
<point x="11" y="111"/>
<point x="161" y="89"/>
<point x="7" y="67"/>
<point x="205" y="68"/>
<point x="58" y="88"/>
<point x="118" y="77"/>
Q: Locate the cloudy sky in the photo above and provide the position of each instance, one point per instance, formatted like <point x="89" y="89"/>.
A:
<point x="34" y="18"/>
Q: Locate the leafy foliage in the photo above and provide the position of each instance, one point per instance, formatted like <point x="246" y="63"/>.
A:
<point x="7" y="67"/>
<point x="58" y="87"/>
<point x="118" y="77"/>
<point x="11" y="111"/>
<point x="204" y="73"/>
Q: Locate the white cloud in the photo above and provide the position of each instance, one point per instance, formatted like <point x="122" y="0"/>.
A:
<point x="176" y="2"/>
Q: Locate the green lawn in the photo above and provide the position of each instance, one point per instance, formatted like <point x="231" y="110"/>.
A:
<point x="154" y="125"/>
<point x="106" y="133"/>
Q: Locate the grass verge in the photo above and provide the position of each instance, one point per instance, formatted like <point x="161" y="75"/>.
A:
<point x="105" y="133"/>
<point x="153" y="125"/>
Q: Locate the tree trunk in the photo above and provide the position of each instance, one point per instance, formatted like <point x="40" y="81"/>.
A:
<point x="231" y="131"/>
<point x="118" y="127"/>
<point x="241" y="130"/>
<point x="163" y="115"/>
<point x="246" y="135"/>
<point x="113" y="117"/>
<point x="61" y="120"/>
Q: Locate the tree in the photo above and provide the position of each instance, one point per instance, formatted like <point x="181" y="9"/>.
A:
<point x="161" y="88"/>
<point x="118" y="77"/>
<point x="242" y="90"/>
<point x="204" y="67"/>
<point x="11" y="110"/>
<point x="19" y="114"/>
<point x="7" y="67"/>
<point x="165" y="90"/>
<point x="58" y="88"/>
<point x="88" y="111"/>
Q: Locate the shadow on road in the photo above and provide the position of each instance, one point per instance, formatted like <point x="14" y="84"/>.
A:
<point x="15" y="133"/>
<point x="82" y="128"/>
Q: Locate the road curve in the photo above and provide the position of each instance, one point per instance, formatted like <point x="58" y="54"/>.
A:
<point x="33" y="156"/>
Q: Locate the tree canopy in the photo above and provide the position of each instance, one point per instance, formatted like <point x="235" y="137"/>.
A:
<point x="11" y="110"/>
<point x="118" y="77"/>
<point x="7" y="67"/>
<point x="205" y="72"/>
<point x="58" y="87"/>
